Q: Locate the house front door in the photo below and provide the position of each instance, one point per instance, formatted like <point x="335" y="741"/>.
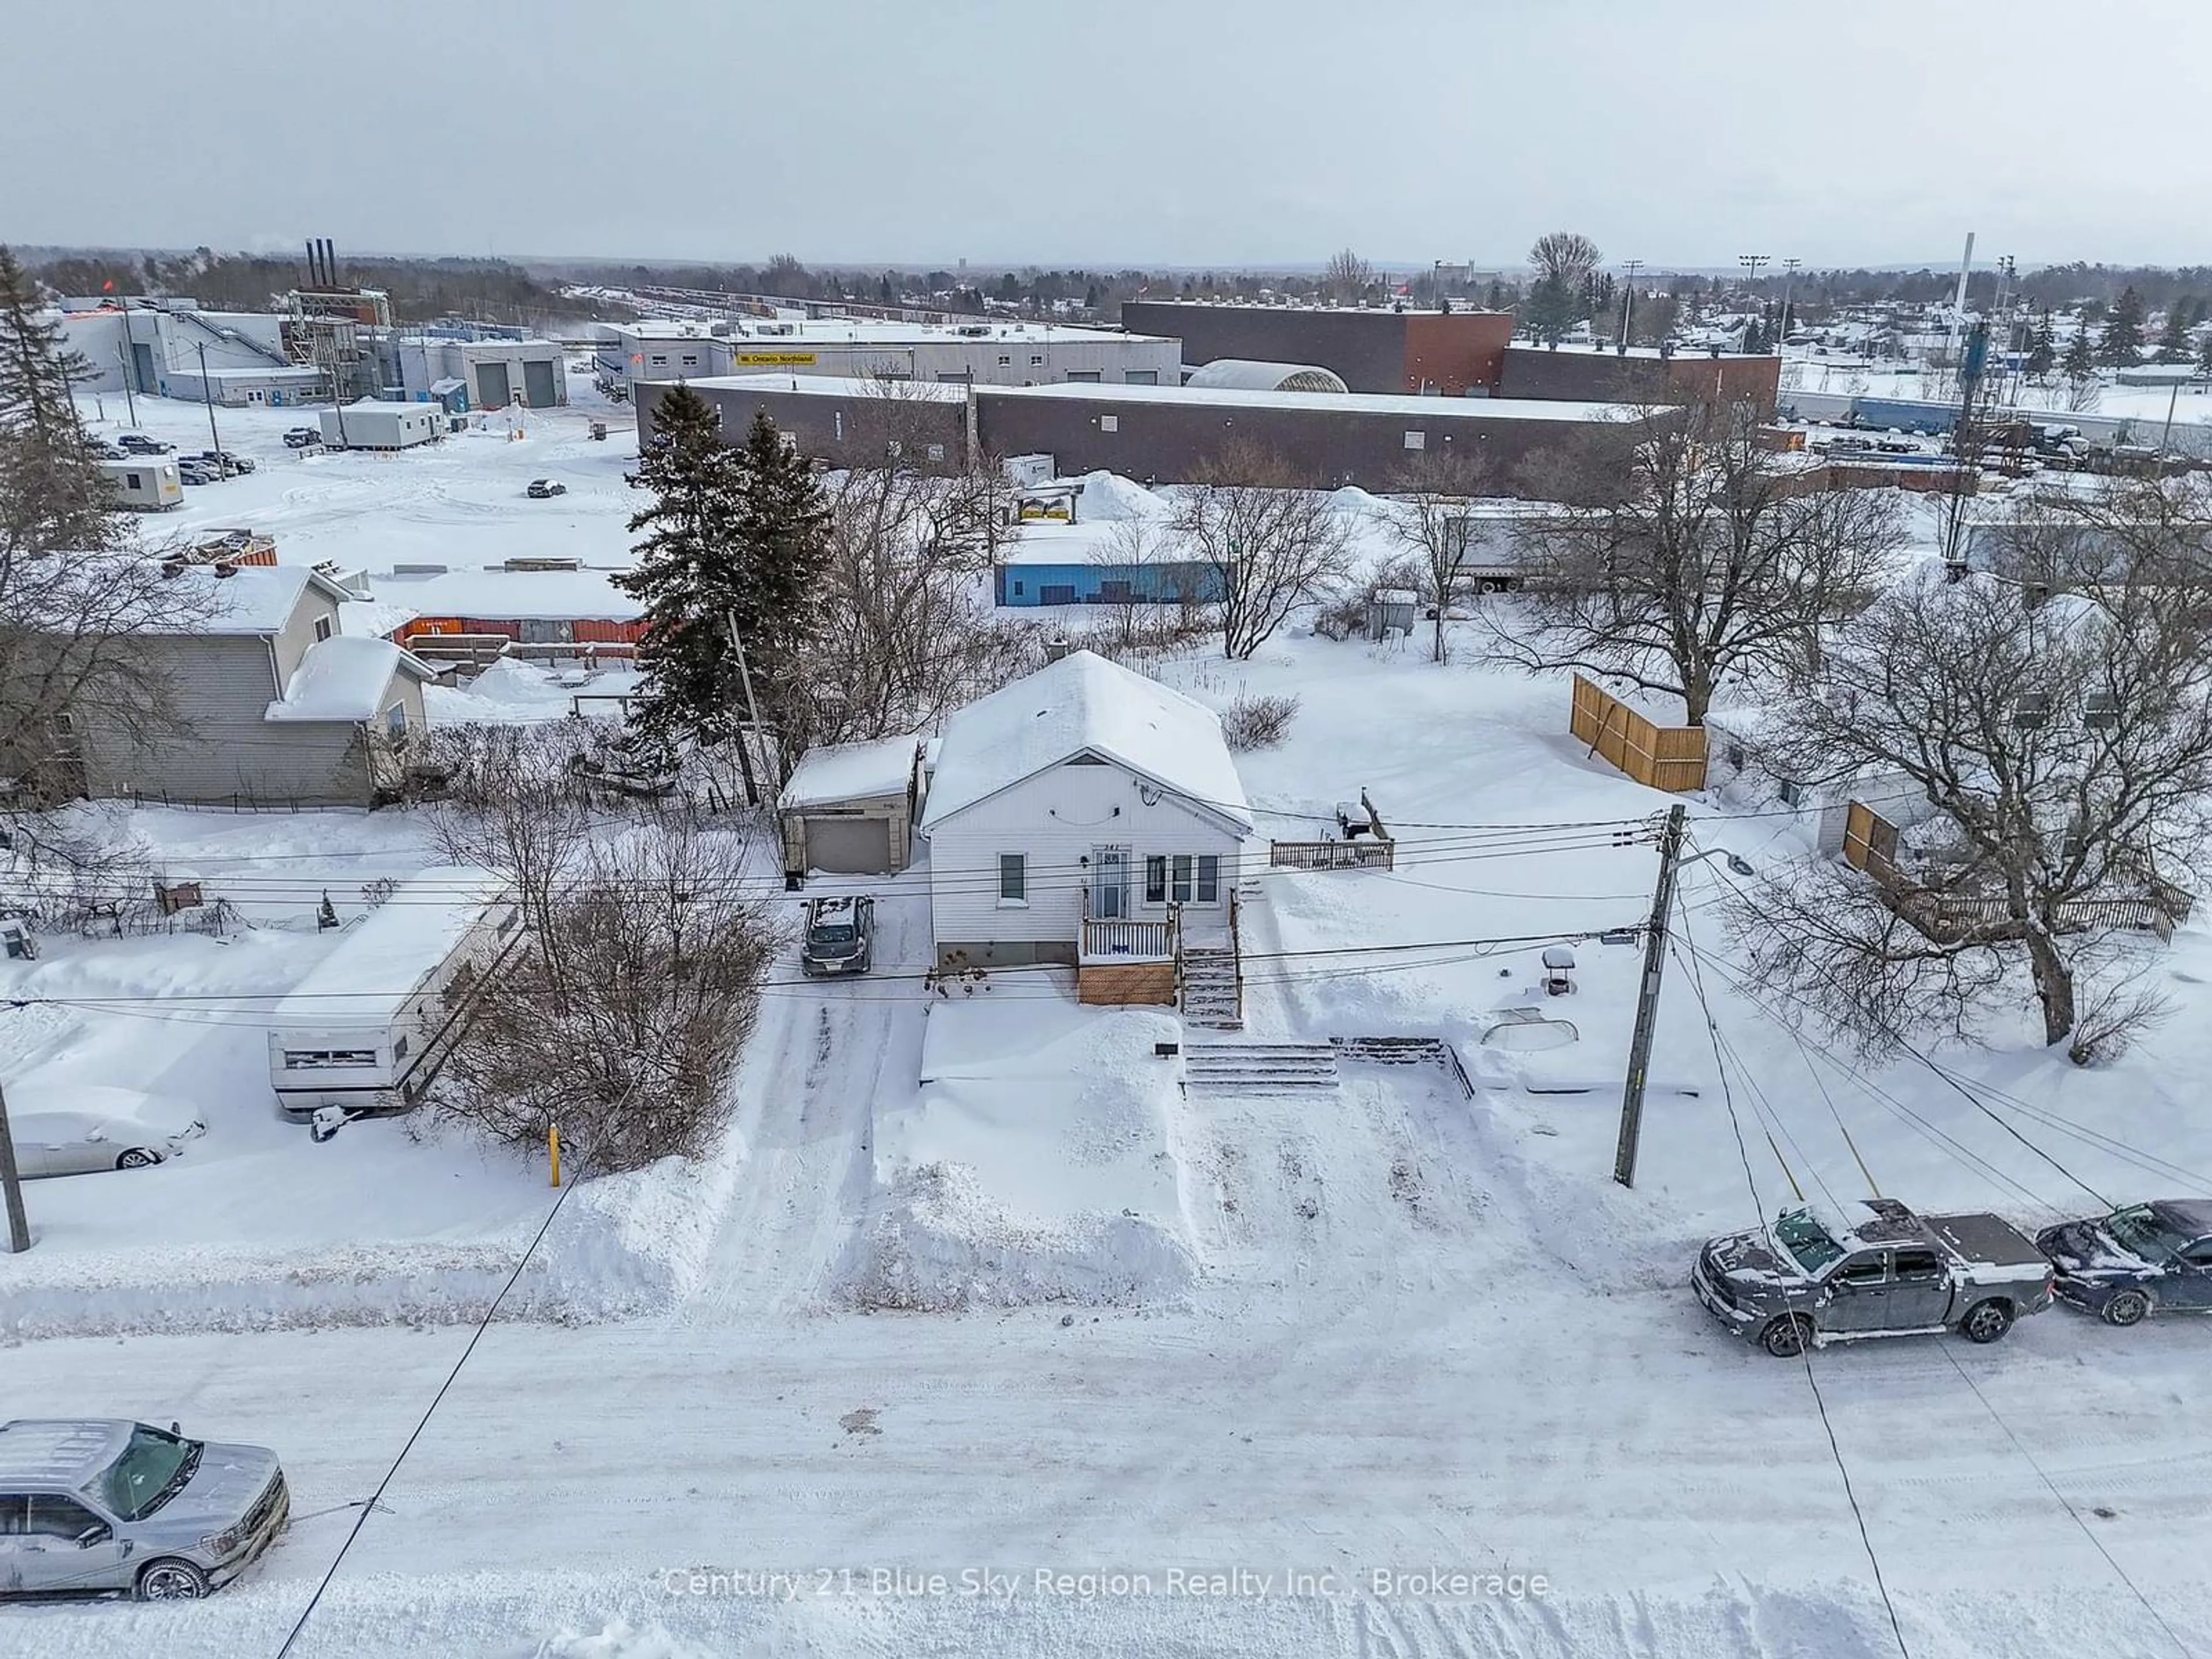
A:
<point x="1109" y="882"/>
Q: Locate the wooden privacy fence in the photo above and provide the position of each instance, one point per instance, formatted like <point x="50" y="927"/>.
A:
<point x="1669" y="757"/>
<point x="1871" y="844"/>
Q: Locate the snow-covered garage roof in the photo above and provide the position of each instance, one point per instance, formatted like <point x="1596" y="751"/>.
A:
<point x="1084" y="704"/>
<point x="344" y="678"/>
<point x="842" y="772"/>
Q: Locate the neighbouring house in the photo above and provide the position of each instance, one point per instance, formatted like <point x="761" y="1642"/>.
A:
<point x="849" y="809"/>
<point x="279" y="707"/>
<point x="1740" y="771"/>
<point x="1088" y="816"/>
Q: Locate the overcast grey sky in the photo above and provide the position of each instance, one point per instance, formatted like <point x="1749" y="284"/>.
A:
<point x="1150" y="132"/>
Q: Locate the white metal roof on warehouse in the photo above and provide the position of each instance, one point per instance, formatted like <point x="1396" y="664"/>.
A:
<point x="1251" y="374"/>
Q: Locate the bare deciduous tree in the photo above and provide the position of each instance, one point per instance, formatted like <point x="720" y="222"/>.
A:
<point x="1566" y="256"/>
<point x="1347" y="277"/>
<point x="2066" y="750"/>
<point x="1431" y="517"/>
<point x="1685" y="553"/>
<point x="511" y="803"/>
<point x="1272" y="544"/>
<point x="620" y="1018"/>
<point x="905" y="635"/>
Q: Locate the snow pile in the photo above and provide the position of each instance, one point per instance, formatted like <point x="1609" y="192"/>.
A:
<point x="512" y="690"/>
<point x="1113" y="498"/>
<point x="619" y="1640"/>
<point x="1036" y="1163"/>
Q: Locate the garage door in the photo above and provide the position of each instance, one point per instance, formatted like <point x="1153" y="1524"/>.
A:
<point x="849" y="846"/>
<point x="491" y="386"/>
<point x="538" y="385"/>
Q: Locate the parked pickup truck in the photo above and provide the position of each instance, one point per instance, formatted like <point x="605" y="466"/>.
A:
<point x="1877" y="1270"/>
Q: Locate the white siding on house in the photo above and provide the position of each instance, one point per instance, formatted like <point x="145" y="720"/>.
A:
<point x="1056" y="818"/>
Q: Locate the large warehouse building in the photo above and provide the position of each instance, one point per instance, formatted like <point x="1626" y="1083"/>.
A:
<point x="1370" y="349"/>
<point x="1162" y="433"/>
<point x="1457" y="353"/>
<point x="986" y="352"/>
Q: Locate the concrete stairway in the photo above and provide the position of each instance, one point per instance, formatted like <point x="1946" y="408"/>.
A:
<point x="1209" y="989"/>
<point x="1260" y="1068"/>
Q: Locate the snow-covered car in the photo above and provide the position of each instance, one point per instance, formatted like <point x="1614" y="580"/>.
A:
<point x="60" y="1131"/>
<point x="840" y="936"/>
<point x="544" y="488"/>
<point x="2147" y="1255"/>
<point x="137" y="443"/>
<point x="104" y="1506"/>
<point x="303" y="437"/>
<point x="193" y="470"/>
<point x="1877" y="1270"/>
<point x="224" y="461"/>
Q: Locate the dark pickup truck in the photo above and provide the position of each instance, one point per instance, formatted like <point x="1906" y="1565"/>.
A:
<point x="1877" y="1270"/>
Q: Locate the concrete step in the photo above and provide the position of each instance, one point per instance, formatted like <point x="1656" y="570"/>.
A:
<point x="1260" y="1067"/>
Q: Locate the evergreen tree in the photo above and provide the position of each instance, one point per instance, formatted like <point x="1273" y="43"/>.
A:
<point x="2079" y="361"/>
<point x="2042" y="348"/>
<point x="2122" y="341"/>
<point x="2204" y="356"/>
<point x="1754" y="336"/>
<point x="735" y="536"/>
<point x="2173" y="342"/>
<point x="53" y="497"/>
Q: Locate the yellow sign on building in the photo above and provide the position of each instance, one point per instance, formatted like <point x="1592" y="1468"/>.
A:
<point x="776" y="359"/>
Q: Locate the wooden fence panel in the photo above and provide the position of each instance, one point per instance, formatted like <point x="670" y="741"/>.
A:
<point x="1669" y="757"/>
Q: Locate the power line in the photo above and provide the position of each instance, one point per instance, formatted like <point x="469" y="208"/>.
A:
<point x="482" y="1325"/>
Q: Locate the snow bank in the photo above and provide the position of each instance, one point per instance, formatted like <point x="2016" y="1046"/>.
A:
<point x="1037" y="1162"/>
<point x="1111" y="497"/>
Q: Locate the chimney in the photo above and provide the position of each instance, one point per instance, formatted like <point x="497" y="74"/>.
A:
<point x="1056" y="648"/>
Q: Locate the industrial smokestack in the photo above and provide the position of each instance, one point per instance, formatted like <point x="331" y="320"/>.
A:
<point x="330" y="262"/>
<point x="312" y="278"/>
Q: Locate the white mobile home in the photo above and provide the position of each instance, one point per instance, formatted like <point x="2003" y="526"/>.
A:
<point x="145" y="484"/>
<point x="369" y="1027"/>
<point x="371" y="424"/>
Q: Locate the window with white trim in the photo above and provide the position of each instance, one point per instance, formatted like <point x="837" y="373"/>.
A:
<point x="1013" y="878"/>
<point x="322" y="628"/>
<point x="1156" y="878"/>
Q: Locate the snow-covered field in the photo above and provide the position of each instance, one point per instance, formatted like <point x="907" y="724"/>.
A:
<point x="1409" y="1334"/>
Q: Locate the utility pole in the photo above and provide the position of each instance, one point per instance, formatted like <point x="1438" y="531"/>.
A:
<point x="206" y="395"/>
<point x="752" y="709"/>
<point x="1647" y="1001"/>
<point x="123" y="356"/>
<point x="19" y="1228"/>
<point x="1628" y="295"/>
<point x="1789" y="281"/>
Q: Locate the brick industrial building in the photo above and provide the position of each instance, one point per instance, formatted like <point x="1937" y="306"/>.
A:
<point x="1458" y="353"/>
<point x="1157" y="433"/>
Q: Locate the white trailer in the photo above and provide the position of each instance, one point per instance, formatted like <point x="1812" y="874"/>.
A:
<point x="145" y="484"/>
<point x="373" y="424"/>
<point x="368" y="1030"/>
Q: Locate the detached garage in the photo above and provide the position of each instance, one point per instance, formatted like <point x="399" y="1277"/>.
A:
<point x="849" y="809"/>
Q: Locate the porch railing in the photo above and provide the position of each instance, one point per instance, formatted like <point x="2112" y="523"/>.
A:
<point x="1363" y="853"/>
<point x="1129" y="941"/>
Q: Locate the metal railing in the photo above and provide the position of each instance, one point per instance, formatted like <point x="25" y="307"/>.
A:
<point x="1364" y="853"/>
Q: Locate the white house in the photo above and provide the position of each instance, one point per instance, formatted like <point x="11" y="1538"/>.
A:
<point x="1085" y="816"/>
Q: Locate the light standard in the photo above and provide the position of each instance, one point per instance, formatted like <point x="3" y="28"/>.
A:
<point x="1751" y="263"/>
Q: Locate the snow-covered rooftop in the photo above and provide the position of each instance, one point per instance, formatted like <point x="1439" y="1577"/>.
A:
<point x="1336" y="403"/>
<point x="376" y="965"/>
<point x="513" y="595"/>
<point x="343" y="678"/>
<point x="1085" y="704"/>
<point x="255" y="598"/>
<point x="851" y="771"/>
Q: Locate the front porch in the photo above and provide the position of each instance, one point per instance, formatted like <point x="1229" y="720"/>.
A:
<point x="1123" y="961"/>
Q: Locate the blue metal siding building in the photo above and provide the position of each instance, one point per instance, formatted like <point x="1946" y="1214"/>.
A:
<point x="1167" y="582"/>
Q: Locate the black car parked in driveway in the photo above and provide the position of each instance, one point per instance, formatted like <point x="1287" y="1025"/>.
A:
<point x="2150" y="1256"/>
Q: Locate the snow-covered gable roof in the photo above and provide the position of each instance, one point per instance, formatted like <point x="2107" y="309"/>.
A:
<point x="344" y="678"/>
<point x="379" y="961"/>
<point x="255" y="598"/>
<point x="1084" y="704"/>
<point x="851" y="771"/>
